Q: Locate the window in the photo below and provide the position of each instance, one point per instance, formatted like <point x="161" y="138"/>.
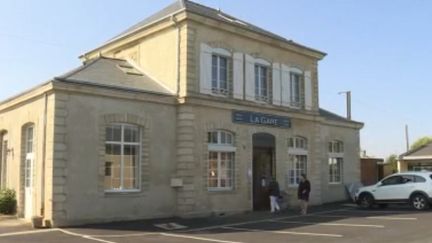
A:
<point x="335" y="170"/>
<point x="262" y="83"/>
<point x="413" y="179"/>
<point x="419" y="179"/>
<point x="221" y="160"/>
<point x="220" y="75"/>
<point x="297" y="155"/>
<point x="298" y="164"/>
<point x="336" y="147"/>
<point x="394" y="180"/>
<point x="29" y="139"/>
<point x="297" y="143"/>
<point x="122" y="157"/>
<point x="295" y="88"/>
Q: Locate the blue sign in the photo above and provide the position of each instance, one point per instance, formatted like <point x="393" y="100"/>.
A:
<point x="255" y="118"/>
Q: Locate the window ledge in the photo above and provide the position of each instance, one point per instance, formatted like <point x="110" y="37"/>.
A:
<point x="220" y="189"/>
<point x="122" y="192"/>
<point x="335" y="183"/>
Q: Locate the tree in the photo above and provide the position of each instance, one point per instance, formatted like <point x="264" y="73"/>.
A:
<point x="392" y="160"/>
<point x="420" y="142"/>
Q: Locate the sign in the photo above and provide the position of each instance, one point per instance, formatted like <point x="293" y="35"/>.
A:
<point x="247" y="117"/>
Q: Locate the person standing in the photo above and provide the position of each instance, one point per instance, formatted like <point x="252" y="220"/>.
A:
<point x="274" y="195"/>
<point x="303" y="193"/>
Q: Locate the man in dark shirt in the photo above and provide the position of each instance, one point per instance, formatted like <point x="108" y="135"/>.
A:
<point x="303" y="193"/>
<point x="274" y="195"/>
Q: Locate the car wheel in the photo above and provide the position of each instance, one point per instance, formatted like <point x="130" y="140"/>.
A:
<point x="366" y="201"/>
<point x="419" y="202"/>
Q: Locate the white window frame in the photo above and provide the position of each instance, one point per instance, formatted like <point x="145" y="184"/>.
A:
<point x="332" y="145"/>
<point x="294" y="151"/>
<point x="122" y="143"/>
<point x="332" y="176"/>
<point x="297" y="72"/>
<point x="297" y="171"/>
<point x="220" y="148"/>
<point x="218" y="90"/>
<point x="260" y="86"/>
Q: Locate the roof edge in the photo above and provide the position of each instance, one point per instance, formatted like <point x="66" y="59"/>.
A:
<point x="320" y="56"/>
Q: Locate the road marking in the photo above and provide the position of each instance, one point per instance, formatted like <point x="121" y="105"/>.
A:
<point x="197" y="238"/>
<point x="84" y="236"/>
<point x="258" y="221"/>
<point x="329" y="224"/>
<point x="284" y="232"/>
<point x="126" y="235"/>
<point x="28" y="232"/>
<point x="363" y="217"/>
<point x="391" y="218"/>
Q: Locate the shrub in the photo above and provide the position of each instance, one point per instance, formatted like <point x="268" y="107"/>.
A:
<point x="7" y="201"/>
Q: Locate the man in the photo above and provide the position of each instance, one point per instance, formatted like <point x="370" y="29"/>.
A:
<point x="274" y="195"/>
<point x="303" y="193"/>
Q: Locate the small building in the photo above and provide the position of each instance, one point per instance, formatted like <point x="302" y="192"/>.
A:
<point x="188" y="113"/>
<point x="370" y="170"/>
<point x="416" y="160"/>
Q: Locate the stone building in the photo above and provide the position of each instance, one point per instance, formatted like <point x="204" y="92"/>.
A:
<point x="187" y="113"/>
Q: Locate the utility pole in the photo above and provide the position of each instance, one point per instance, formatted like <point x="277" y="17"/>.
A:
<point x="348" y="103"/>
<point x="406" y="137"/>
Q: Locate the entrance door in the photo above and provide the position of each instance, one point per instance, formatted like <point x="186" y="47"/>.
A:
<point x="3" y="159"/>
<point x="263" y="169"/>
<point x="28" y="185"/>
<point x="28" y="174"/>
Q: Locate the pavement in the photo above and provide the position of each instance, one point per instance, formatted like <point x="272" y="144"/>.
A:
<point x="328" y="223"/>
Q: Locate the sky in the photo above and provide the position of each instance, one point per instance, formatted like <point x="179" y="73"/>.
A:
<point x="379" y="50"/>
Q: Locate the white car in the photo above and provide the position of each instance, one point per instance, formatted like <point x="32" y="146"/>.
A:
<point x="414" y="188"/>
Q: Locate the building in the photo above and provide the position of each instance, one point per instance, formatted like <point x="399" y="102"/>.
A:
<point x="188" y="113"/>
<point x="373" y="169"/>
<point x="416" y="160"/>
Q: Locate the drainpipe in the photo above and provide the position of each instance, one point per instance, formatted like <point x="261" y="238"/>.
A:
<point x="42" y="210"/>
<point x="173" y="19"/>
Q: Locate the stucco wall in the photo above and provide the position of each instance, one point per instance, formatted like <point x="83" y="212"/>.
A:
<point x="86" y="200"/>
<point x="199" y="200"/>
<point x="351" y="161"/>
<point x="156" y="55"/>
<point x="223" y="36"/>
<point x="15" y="115"/>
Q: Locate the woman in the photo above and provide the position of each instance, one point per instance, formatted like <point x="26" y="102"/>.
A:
<point x="303" y="193"/>
<point x="274" y="195"/>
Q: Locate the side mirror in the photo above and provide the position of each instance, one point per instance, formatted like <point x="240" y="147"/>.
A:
<point x="379" y="184"/>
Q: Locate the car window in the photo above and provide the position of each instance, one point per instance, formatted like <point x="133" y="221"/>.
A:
<point x="419" y="179"/>
<point x="408" y="179"/>
<point x="394" y="180"/>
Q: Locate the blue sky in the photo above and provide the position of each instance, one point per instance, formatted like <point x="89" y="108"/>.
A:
<point x="380" y="50"/>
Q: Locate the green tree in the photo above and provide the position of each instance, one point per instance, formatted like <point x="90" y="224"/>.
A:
<point x="420" y="142"/>
<point x="392" y="160"/>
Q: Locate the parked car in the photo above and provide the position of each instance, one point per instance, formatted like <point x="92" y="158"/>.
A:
<point x="414" y="188"/>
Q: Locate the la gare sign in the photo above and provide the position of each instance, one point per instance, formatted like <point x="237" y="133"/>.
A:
<point x="255" y="118"/>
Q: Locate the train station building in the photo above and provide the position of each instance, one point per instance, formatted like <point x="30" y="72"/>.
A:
<point x="188" y="113"/>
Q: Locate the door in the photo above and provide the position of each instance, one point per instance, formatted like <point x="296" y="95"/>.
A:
<point x="393" y="188"/>
<point x="3" y="159"/>
<point x="262" y="173"/>
<point x="28" y="174"/>
<point x="28" y="186"/>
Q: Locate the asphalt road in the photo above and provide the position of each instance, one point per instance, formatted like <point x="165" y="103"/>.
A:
<point x="336" y="223"/>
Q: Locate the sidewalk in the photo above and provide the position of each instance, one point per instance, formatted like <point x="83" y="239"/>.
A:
<point x="10" y="223"/>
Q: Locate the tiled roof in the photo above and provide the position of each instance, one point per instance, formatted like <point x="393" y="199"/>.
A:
<point x="115" y="73"/>
<point x="192" y="7"/>
<point x="425" y="150"/>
